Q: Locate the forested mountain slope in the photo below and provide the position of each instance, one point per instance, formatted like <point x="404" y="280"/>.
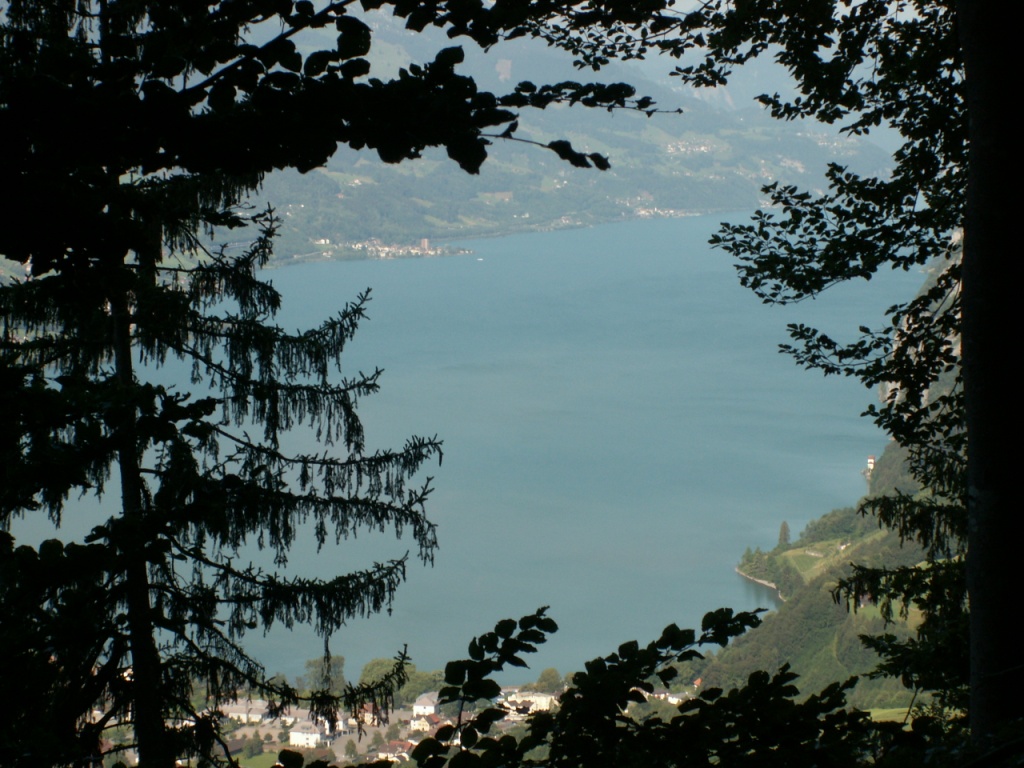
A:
<point x="812" y="632"/>
<point x="715" y="156"/>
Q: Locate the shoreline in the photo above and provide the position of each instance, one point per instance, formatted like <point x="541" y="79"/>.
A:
<point x="559" y="227"/>
<point x="445" y="241"/>
<point x="762" y="582"/>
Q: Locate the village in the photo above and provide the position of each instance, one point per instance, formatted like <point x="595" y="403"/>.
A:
<point x="392" y="740"/>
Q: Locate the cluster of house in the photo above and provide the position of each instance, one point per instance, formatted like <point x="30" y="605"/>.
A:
<point x="303" y="731"/>
<point x="426" y="717"/>
<point x="306" y="732"/>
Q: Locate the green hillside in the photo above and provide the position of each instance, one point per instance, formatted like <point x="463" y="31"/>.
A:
<point x="812" y="632"/>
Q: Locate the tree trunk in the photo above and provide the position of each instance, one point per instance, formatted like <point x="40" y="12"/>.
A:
<point x="991" y="335"/>
<point x="148" y="700"/>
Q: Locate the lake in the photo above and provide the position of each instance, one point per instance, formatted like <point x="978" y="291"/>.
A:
<point x="618" y="428"/>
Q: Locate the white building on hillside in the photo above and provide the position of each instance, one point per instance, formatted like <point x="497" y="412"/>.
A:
<point x="523" y="703"/>
<point x="305" y="734"/>
<point x="246" y="711"/>
<point x="425" y="704"/>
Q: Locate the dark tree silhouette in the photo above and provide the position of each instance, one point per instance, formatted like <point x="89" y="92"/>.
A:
<point x="928" y="69"/>
<point x="131" y="128"/>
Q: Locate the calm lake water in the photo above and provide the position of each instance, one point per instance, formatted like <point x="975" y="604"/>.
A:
<point x="618" y="428"/>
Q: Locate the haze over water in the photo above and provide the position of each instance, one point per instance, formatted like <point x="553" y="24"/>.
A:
<point x="618" y="428"/>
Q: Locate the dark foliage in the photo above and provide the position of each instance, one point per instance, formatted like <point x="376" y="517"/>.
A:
<point x="597" y="722"/>
<point x="857" y="66"/>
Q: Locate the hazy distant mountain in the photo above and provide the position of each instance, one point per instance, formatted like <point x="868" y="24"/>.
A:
<point x="713" y="157"/>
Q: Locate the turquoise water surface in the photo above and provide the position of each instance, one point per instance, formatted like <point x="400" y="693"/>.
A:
<point x="618" y="428"/>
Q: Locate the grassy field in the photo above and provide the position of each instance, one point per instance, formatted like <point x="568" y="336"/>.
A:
<point x="264" y="760"/>
<point x="897" y="714"/>
<point x="817" y="558"/>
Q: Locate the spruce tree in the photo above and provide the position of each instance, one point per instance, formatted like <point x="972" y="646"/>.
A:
<point x="134" y="131"/>
<point x="167" y="595"/>
<point x="783" y="535"/>
<point x="120" y="283"/>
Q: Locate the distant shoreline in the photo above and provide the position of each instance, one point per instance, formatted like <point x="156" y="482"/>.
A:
<point x="443" y="243"/>
<point x="559" y="227"/>
<point x="762" y="582"/>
